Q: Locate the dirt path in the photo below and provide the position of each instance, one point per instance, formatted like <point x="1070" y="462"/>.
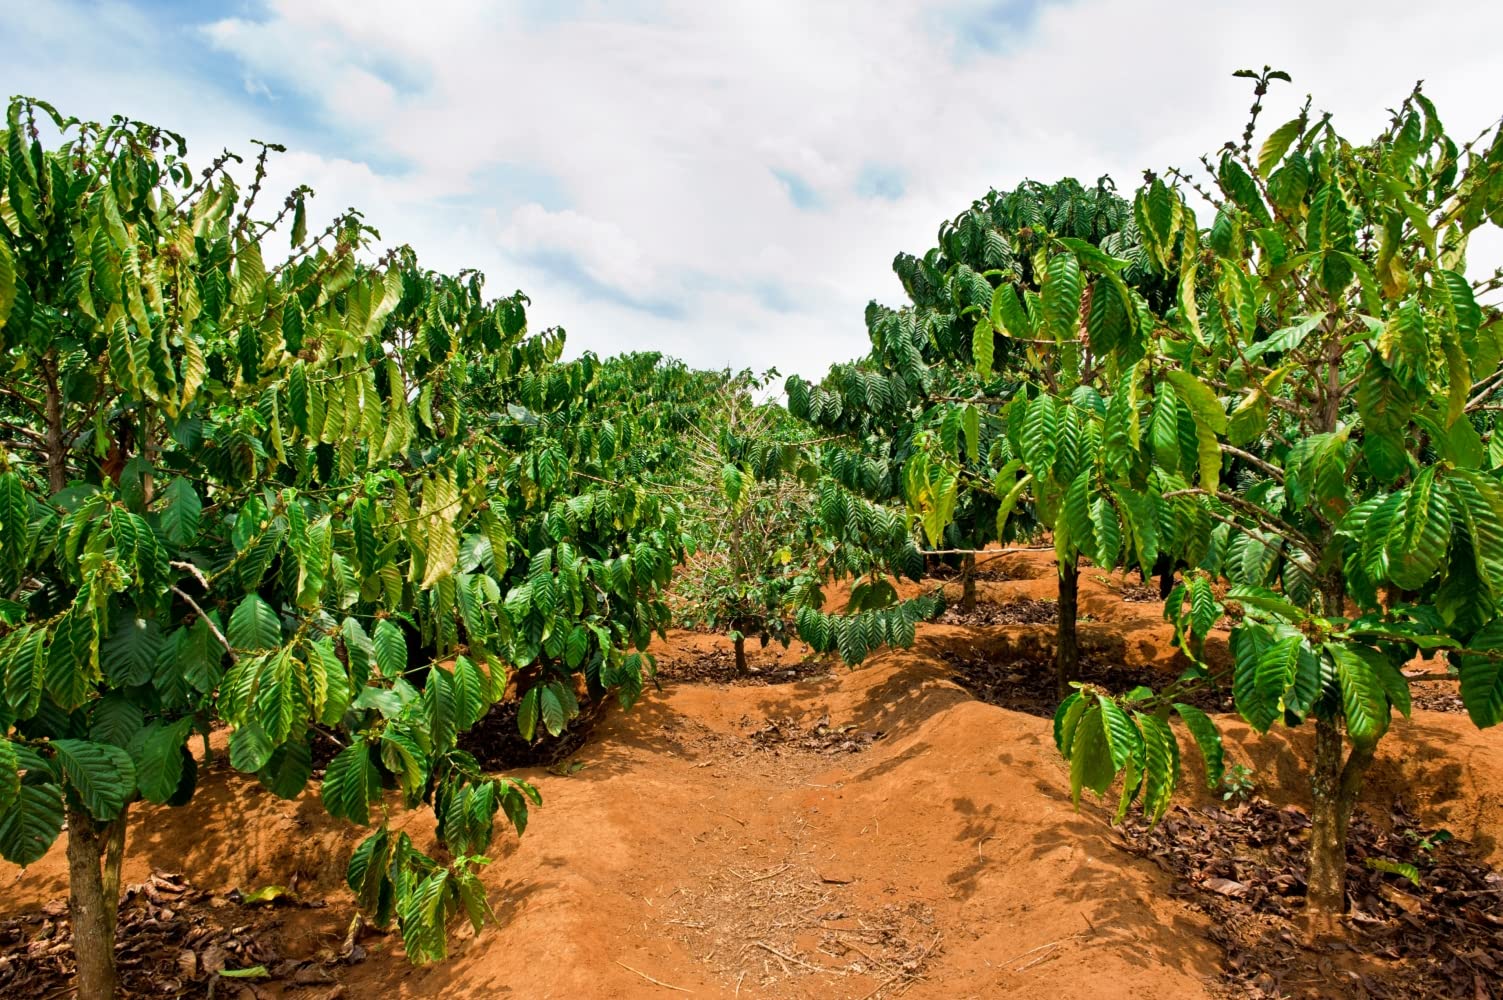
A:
<point x="701" y="850"/>
<point x="847" y="834"/>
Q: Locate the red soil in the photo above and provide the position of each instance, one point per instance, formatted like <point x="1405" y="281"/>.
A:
<point x="933" y="853"/>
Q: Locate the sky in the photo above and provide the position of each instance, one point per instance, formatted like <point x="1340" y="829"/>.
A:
<point x="726" y="182"/>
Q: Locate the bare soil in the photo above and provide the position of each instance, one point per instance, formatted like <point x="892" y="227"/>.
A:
<point x="813" y="831"/>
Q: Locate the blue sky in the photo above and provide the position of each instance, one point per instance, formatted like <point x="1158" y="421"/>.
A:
<point x="727" y="182"/>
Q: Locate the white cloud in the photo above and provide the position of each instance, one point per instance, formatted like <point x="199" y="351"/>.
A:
<point x="604" y="254"/>
<point x="682" y="137"/>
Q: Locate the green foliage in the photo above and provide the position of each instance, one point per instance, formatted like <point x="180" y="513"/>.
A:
<point x="286" y="493"/>
<point x="1313" y="402"/>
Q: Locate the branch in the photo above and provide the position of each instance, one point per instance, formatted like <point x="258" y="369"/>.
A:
<point x="1264" y="519"/>
<point x="986" y="552"/>
<point x="1251" y="459"/>
<point x="1484" y="388"/>
<point x="209" y="621"/>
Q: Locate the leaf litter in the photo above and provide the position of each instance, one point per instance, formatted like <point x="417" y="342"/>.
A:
<point x="1245" y="867"/>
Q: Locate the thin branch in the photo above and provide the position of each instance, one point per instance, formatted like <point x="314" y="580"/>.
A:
<point x="985" y="552"/>
<point x="1251" y="459"/>
<point x="214" y="629"/>
<point x="1484" y="388"/>
<point x="655" y="982"/>
<point x="1262" y="516"/>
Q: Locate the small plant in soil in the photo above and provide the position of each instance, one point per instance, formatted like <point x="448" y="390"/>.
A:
<point x="1237" y="783"/>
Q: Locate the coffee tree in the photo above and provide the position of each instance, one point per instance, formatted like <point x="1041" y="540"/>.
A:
<point x="1338" y="368"/>
<point x="755" y="538"/>
<point x="251" y="488"/>
<point x="1001" y="383"/>
<point x="579" y="534"/>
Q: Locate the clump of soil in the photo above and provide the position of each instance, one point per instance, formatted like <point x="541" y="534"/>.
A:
<point x="719" y="667"/>
<point x="819" y="737"/>
<point x="1027" y="684"/>
<point x="1437" y="696"/>
<point x="1246" y="867"/>
<point x="497" y="743"/>
<point x="1142" y="593"/>
<point x="1022" y="611"/>
<point x="173" y="940"/>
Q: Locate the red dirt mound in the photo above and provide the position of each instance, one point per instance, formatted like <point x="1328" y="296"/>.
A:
<point x="851" y="834"/>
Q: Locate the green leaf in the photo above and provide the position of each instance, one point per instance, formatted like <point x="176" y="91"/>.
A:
<point x="287" y="771"/>
<point x="30" y="825"/>
<point x="1122" y="737"/>
<point x="1203" y="403"/>
<point x="10" y="774"/>
<point x="1161" y="764"/>
<point x="183" y="514"/>
<point x="551" y="708"/>
<point x="1208" y="739"/>
<point x="527" y="713"/>
<point x="159" y="755"/>
<point x="390" y="648"/>
<point x="351" y="784"/>
<point x="1401" y="868"/>
<point x="1062" y="290"/>
<point x="442" y="707"/>
<point x="73" y="658"/>
<point x="1091" y="764"/>
<point x="253" y="972"/>
<point x="250" y="748"/>
<point x="1008" y="313"/>
<point x="1066" y="719"/>
<point x="1259" y="686"/>
<point x="100" y="774"/>
<point x="7" y="282"/>
<point x="116" y="720"/>
<point x="1420" y="537"/>
<point x="1362" y="696"/>
<point x="470" y="692"/>
<point x="983" y="346"/>
<point x="403" y="757"/>
<point x="254" y="625"/>
<point x="1287" y="338"/>
<point x="1482" y="676"/>
<point x="1278" y="143"/>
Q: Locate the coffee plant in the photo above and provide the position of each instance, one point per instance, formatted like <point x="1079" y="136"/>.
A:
<point x="1338" y="372"/>
<point x="253" y="487"/>
<point x="755" y="540"/>
<point x="999" y="410"/>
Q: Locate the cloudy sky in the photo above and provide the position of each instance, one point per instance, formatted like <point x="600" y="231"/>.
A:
<point x="724" y="181"/>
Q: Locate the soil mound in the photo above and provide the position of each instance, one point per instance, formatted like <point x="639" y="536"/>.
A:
<point x="810" y="831"/>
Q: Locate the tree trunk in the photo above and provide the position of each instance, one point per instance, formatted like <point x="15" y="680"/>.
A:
<point x="92" y="908"/>
<point x="57" y="455"/>
<point x="114" y="859"/>
<point x="1166" y="582"/>
<point x="968" y="583"/>
<point x="740" y="643"/>
<point x="1326" y="897"/>
<point x="1336" y="785"/>
<point x="1067" y="643"/>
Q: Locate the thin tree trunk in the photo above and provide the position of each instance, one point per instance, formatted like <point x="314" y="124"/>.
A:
<point x="92" y="910"/>
<point x="740" y="643"/>
<point x="1326" y="897"/>
<point x="968" y="583"/>
<point x="1067" y="643"/>
<point x="57" y="455"/>
<point x="114" y="860"/>
<point x="1336" y="781"/>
